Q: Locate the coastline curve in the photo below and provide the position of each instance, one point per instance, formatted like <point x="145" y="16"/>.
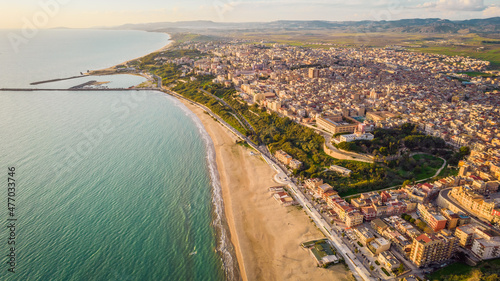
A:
<point x="225" y="247"/>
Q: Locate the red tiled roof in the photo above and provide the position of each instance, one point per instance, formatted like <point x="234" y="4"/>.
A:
<point x="424" y="237"/>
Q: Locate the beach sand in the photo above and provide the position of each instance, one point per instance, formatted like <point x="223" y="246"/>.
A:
<point x="266" y="235"/>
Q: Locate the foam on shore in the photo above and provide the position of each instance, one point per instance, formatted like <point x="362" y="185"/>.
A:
<point x="225" y="247"/>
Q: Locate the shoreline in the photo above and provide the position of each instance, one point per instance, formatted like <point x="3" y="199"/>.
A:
<point x="113" y="68"/>
<point x="225" y="247"/>
<point x="266" y="236"/>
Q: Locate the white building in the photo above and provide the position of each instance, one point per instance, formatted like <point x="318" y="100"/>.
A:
<point x="344" y="171"/>
<point x="379" y="245"/>
<point x="356" y="136"/>
<point x="486" y="249"/>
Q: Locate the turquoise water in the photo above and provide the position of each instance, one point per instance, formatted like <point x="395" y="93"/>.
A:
<point x="110" y="185"/>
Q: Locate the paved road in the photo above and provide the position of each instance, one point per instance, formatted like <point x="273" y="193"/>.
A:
<point x="357" y="268"/>
<point x="229" y="106"/>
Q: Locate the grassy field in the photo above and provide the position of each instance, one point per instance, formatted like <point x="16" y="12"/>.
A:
<point x="448" y="172"/>
<point x="477" y="74"/>
<point x="471" y="45"/>
<point x="464" y="271"/>
<point x="426" y="168"/>
<point x="428" y="165"/>
<point x="490" y="54"/>
<point x="454" y="269"/>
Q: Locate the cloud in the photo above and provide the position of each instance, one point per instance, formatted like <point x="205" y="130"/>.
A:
<point x="492" y="11"/>
<point x="460" y="5"/>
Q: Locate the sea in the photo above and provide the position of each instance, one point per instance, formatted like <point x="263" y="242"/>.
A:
<point x="109" y="185"/>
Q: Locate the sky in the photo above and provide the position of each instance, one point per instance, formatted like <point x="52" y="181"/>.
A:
<point x="98" y="13"/>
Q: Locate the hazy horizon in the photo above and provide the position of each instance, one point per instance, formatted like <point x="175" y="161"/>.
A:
<point x="93" y="13"/>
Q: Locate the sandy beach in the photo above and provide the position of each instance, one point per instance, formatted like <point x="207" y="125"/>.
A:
<point x="266" y="235"/>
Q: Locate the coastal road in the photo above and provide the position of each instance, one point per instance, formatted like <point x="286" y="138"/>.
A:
<point x="357" y="268"/>
<point x="445" y="193"/>
<point x="248" y="125"/>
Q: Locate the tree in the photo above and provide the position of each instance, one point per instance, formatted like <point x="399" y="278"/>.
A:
<point x="476" y="275"/>
<point x="401" y="268"/>
<point x="492" y="277"/>
<point x="464" y="151"/>
<point x="384" y="151"/>
<point x="421" y="225"/>
<point x="406" y="182"/>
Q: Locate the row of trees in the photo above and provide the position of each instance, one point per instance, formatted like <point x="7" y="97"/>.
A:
<point x="190" y="91"/>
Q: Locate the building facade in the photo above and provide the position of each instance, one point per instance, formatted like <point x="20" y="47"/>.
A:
<point x="431" y="248"/>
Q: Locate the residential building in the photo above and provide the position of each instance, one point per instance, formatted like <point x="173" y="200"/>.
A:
<point x="432" y="248"/>
<point x="475" y="202"/>
<point x="313" y="183"/>
<point x="433" y="219"/>
<point x="486" y="249"/>
<point x="283" y="157"/>
<point x="378" y="225"/>
<point x="465" y="235"/>
<point x="369" y="213"/>
<point x="379" y="245"/>
<point x="295" y="164"/>
<point x="313" y="73"/>
<point x="364" y="234"/>
<point x="353" y="218"/>
<point x="451" y="218"/>
<point x="388" y="260"/>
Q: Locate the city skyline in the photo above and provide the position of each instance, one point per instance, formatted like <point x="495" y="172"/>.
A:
<point x="79" y="14"/>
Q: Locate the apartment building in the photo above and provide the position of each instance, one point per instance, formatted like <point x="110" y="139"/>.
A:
<point x="465" y="235"/>
<point x="433" y="248"/>
<point x="475" y="202"/>
<point x="433" y="219"/>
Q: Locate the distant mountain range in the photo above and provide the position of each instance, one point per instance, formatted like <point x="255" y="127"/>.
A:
<point x="431" y="25"/>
